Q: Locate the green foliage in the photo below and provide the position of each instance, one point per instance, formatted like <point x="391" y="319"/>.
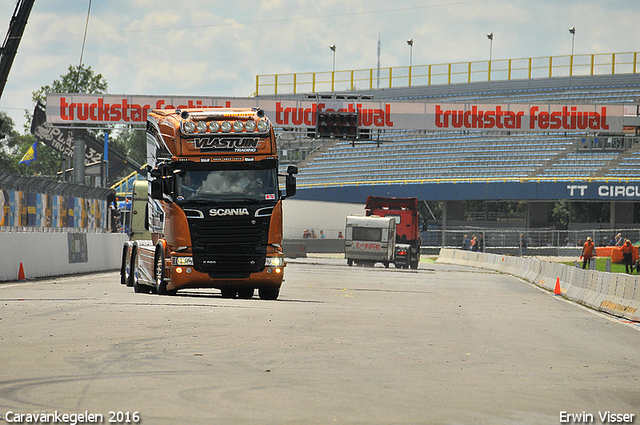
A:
<point x="132" y="143"/>
<point x="78" y="79"/>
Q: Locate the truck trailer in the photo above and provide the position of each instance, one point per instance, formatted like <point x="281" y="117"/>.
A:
<point x="405" y="212"/>
<point x="214" y="210"/>
<point x="369" y="240"/>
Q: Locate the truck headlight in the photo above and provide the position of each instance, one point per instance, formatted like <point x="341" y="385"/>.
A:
<point x="182" y="261"/>
<point x="274" y="262"/>
<point x="263" y="126"/>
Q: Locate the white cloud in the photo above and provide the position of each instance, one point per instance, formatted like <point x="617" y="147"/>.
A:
<point x="218" y="48"/>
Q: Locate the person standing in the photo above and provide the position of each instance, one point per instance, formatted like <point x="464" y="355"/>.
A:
<point x="588" y="252"/>
<point x="523" y="245"/>
<point x="627" y="256"/>
<point x="466" y="243"/>
<point x="474" y="243"/>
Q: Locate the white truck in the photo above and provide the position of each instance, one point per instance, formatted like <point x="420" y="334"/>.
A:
<point x="370" y="240"/>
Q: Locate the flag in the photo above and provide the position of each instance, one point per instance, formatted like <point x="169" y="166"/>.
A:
<point x="30" y="156"/>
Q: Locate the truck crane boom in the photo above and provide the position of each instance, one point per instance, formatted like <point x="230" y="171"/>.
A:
<point x="12" y="40"/>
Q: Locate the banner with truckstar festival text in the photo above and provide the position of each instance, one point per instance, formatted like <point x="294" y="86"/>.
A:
<point x="63" y="108"/>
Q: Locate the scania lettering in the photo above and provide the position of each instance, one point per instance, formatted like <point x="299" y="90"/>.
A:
<point x="214" y="205"/>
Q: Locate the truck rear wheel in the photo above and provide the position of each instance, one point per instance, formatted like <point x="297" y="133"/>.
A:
<point x="135" y="265"/>
<point x="124" y="266"/>
<point x="228" y="293"/>
<point x="268" y="293"/>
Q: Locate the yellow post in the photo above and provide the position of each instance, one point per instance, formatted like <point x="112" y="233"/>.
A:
<point x="571" y="66"/>
<point x="550" y="66"/>
<point x="469" y="72"/>
<point x="530" y="66"/>
<point x="371" y="79"/>
<point x="313" y="83"/>
<point x="489" y="71"/>
<point x="352" y="80"/>
<point x="509" y="72"/>
<point x="275" y="88"/>
<point x="390" y="76"/>
<point x="429" y="74"/>
<point x="409" y="76"/>
<point x="635" y="60"/>
<point x="257" y="84"/>
<point x="592" y="63"/>
<point x="295" y="80"/>
<point x="449" y="74"/>
<point x="333" y="75"/>
<point x="613" y="63"/>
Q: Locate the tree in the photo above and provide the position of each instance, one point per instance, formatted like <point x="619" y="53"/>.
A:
<point x="78" y="79"/>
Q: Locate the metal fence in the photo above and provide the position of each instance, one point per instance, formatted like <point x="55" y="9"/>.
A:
<point x="508" y="240"/>
<point x="38" y="204"/>
<point x="449" y="73"/>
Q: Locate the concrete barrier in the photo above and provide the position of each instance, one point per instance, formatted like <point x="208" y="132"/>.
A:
<point x="614" y="293"/>
<point x="57" y="254"/>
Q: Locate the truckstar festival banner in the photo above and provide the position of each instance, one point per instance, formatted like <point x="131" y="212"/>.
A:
<point x="63" y="108"/>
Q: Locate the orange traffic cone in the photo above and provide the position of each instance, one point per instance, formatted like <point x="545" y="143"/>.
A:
<point x="557" y="290"/>
<point x="21" y="275"/>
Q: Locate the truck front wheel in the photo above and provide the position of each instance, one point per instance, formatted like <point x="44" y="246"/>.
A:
<point x="158" y="272"/>
<point x="268" y="293"/>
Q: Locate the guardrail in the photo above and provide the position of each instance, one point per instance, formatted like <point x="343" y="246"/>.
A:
<point x="448" y="73"/>
<point x="613" y="293"/>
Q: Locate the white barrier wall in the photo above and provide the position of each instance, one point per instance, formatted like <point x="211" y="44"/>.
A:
<point x="614" y="293"/>
<point x="56" y="254"/>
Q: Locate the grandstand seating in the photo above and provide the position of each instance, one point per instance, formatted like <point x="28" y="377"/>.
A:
<point x="418" y="155"/>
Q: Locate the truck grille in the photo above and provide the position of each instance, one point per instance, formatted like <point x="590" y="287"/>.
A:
<point x="231" y="247"/>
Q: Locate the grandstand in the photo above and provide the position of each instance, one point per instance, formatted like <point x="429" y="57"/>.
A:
<point x="418" y="155"/>
<point x="453" y="166"/>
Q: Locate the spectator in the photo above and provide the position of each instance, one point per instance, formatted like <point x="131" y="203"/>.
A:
<point x="340" y="235"/>
<point x="523" y="245"/>
<point x="466" y="243"/>
<point x="474" y="243"/>
<point x="619" y="240"/>
<point x="322" y="234"/>
<point x="627" y="256"/>
<point x="588" y="251"/>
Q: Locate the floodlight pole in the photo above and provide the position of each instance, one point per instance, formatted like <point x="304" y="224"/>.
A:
<point x="410" y="43"/>
<point x="490" y="37"/>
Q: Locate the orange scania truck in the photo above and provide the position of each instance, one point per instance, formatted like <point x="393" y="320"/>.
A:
<point x="214" y="209"/>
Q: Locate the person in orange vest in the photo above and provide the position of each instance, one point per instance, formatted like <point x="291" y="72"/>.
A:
<point x="588" y="252"/>
<point x="627" y="256"/>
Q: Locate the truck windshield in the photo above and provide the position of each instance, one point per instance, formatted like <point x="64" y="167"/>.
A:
<point x="227" y="185"/>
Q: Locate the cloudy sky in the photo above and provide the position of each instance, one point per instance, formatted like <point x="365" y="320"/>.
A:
<point x="216" y="48"/>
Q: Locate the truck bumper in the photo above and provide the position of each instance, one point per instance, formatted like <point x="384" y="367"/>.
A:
<point x="183" y="277"/>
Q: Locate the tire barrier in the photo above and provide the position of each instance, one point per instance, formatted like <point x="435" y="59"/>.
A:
<point x="614" y="293"/>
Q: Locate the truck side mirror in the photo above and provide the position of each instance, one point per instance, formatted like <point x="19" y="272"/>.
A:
<point x="290" y="185"/>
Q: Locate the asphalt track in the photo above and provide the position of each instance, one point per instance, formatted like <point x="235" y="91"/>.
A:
<point x="342" y="345"/>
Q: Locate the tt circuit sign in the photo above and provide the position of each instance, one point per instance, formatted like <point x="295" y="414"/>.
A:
<point x="604" y="191"/>
<point x="63" y="108"/>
